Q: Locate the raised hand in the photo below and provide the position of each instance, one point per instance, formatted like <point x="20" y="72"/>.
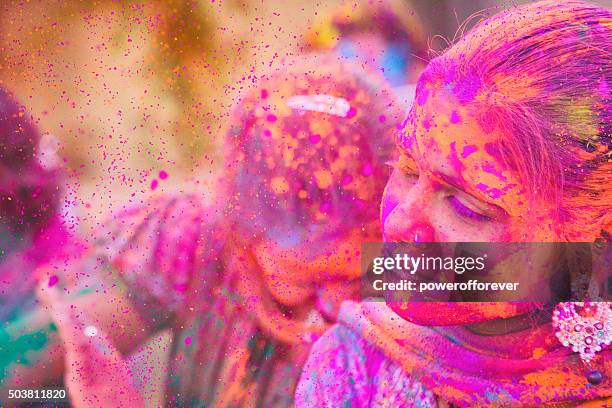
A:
<point x="96" y="374"/>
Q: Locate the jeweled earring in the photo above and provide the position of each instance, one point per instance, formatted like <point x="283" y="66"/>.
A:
<point x="585" y="327"/>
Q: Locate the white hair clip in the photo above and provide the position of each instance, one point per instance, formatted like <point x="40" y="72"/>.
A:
<point x="320" y="103"/>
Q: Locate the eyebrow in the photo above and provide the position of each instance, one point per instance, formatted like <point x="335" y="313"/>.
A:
<point x="448" y="179"/>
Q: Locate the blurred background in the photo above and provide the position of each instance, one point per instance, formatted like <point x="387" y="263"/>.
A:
<point x="125" y="89"/>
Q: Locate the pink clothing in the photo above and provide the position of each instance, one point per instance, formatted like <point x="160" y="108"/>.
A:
<point x="372" y="349"/>
<point x="345" y="370"/>
<point x="55" y="245"/>
<point x="160" y="248"/>
<point x="168" y="253"/>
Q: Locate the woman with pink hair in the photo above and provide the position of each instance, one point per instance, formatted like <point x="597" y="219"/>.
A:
<point x="508" y="141"/>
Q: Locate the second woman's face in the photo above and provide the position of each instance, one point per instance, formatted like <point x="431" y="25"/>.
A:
<point x="295" y="276"/>
<point x="451" y="184"/>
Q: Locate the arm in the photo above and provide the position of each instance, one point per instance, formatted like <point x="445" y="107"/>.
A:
<point x="31" y="349"/>
<point x="134" y="281"/>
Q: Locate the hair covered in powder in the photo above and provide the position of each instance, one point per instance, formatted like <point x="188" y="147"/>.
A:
<point x="308" y="146"/>
<point x="541" y="74"/>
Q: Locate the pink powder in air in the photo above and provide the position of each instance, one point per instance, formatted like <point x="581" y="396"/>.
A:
<point x="154" y="184"/>
<point x="53" y="281"/>
<point x="188" y="340"/>
<point x="163" y="175"/>
<point x="351" y="113"/>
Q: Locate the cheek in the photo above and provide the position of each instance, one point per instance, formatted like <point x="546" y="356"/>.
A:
<point x="285" y="284"/>
<point x="397" y="188"/>
<point x="389" y="201"/>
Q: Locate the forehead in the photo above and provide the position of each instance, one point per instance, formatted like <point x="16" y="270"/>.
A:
<point x="449" y="138"/>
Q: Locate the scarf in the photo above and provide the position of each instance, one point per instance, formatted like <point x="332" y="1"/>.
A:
<point x="467" y="376"/>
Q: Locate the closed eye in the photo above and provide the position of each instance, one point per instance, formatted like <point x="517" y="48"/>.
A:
<point x="464" y="211"/>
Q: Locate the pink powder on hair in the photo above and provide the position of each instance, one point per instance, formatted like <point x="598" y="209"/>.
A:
<point x="489" y="168"/>
<point x="482" y="187"/>
<point x="314" y="139"/>
<point x="403" y="125"/>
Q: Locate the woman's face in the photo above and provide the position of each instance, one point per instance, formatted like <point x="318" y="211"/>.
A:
<point x="322" y="271"/>
<point x="451" y="185"/>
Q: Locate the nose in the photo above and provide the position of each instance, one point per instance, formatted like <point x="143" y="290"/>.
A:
<point x="408" y="221"/>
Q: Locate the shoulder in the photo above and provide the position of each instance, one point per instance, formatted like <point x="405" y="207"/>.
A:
<point x="162" y="245"/>
<point x="160" y="224"/>
<point x="336" y="372"/>
<point x="345" y="368"/>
